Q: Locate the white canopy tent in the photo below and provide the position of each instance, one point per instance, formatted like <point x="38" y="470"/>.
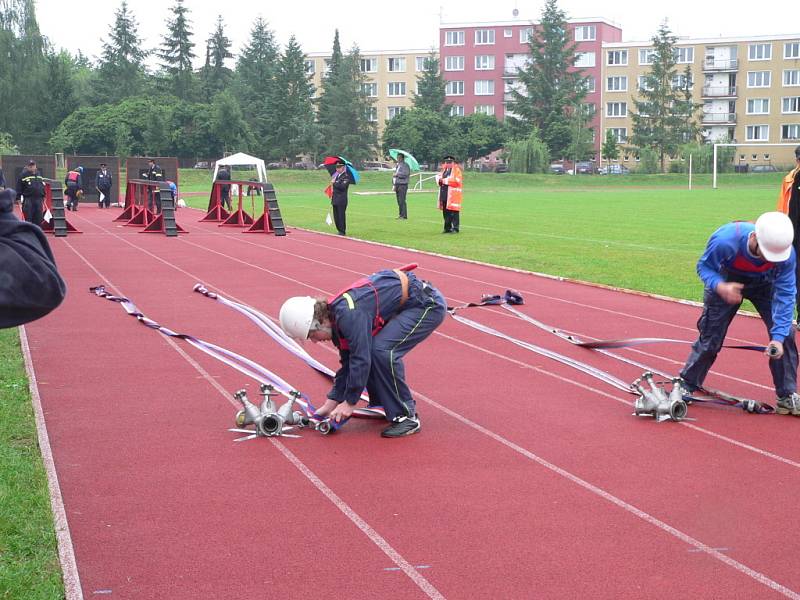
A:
<point x="240" y="159"/>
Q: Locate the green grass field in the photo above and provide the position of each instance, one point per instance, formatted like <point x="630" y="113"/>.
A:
<point x="638" y="232"/>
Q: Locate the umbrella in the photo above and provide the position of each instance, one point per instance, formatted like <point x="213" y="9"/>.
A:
<point x="330" y="165"/>
<point x="412" y="162"/>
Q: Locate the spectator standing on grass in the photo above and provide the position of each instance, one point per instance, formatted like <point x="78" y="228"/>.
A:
<point x="223" y="174"/>
<point x="103" y="183"/>
<point x="374" y="322"/>
<point x="757" y="263"/>
<point x="30" y="286"/>
<point x="30" y="186"/>
<point x="450" y="180"/>
<point x="340" y="181"/>
<point x="789" y="204"/>
<point x="402" y="173"/>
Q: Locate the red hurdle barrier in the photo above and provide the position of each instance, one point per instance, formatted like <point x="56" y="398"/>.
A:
<point x="56" y="214"/>
<point x="216" y="212"/>
<point x="238" y="218"/>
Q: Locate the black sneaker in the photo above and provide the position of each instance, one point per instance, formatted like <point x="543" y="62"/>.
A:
<point x="402" y="426"/>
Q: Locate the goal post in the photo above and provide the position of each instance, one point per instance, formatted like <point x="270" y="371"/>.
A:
<point x="740" y="145"/>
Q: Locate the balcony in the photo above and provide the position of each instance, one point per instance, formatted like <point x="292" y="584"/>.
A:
<point x="719" y="118"/>
<point x="716" y="64"/>
<point x="721" y="91"/>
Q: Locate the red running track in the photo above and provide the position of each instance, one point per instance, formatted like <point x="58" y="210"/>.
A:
<point x="528" y="479"/>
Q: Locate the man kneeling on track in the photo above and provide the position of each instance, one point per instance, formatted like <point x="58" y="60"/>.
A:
<point x="373" y="322"/>
<point x="756" y="262"/>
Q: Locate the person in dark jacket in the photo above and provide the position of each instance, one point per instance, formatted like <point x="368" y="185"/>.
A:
<point x="2" y="180"/>
<point x="154" y="173"/>
<point x="225" y="190"/>
<point x="103" y="183"/>
<point x="31" y="187"/>
<point x="73" y="184"/>
<point x="374" y="323"/>
<point x="30" y="286"/>
<point x="340" y="181"/>
<point x="402" y="173"/>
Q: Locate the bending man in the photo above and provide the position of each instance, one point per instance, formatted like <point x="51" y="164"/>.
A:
<point x="374" y="322"/>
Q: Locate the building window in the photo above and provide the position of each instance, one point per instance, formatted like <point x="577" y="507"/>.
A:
<point x="396" y="88"/>
<point x="393" y="111"/>
<point x="525" y="35"/>
<point x="484" y="87"/>
<point x="616" y="109"/>
<point x="456" y="110"/>
<point x="585" y="33"/>
<point x="422" y="63"/>
<point x="759" y="52"/>
<point x="310" y="68"/>
<point x="791" y="77"/>
<point x="372" y="114"/>
<point x="369" y="65"/>
<point x="684" y="55"/>
<point x="791" y="105"/>
<point x="617" y="57"/>
<point x="617" y="84"/>
<point x="327" y="67"/>
<point x="790" y="132"/>
<point x="681" y="82"/>
<point x="396" y="64"/>
<point x="508" y="33"/>
<point x="758" y="106"/>
<point x="646" y="56"/>
<point x="454" y="88"/>
<point x="756" y="79"/>
<point x="370" y="89"/>
<point x="453" y="38"/>
<point x="620" y="134"/>
<point x="590" y="84"/>
<point x="485" y="109"/>
<point x="643" y="83"/>
<point x="589" y="110"/>
<point x="584" y="59"/>
<point x="484" y="37"/>
<point x="757" y="133"/>
<point x="791" y="50"/>
<point x="454" y="63"/>
<point x="484" y="62"/>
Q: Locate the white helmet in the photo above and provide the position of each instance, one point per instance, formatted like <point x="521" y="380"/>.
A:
<point x="297" y="316"/>
<point x="774" y="233"/>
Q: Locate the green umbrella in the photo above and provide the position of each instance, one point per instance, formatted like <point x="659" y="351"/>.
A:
<point x="410" y="160"/>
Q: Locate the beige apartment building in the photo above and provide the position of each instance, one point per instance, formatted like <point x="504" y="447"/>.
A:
<point x="391" y="74"/>
<point x="749" y="89"/>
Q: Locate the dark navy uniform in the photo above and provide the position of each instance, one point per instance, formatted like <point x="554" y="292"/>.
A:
<point x="225" y="190"/>
<point x="374" y="331"/>
<point x="104" y="182"/>
<point x="73" y="182"/>
<point x="340" y="183"/>
<point x="155" y="173"/>
<point x="30" y="186"/>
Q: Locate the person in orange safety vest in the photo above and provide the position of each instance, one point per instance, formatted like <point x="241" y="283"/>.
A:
<point x="450" y="181"/>
<point x="789" y="204"/>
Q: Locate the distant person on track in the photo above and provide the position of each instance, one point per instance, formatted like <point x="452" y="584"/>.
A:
<point x="154" y="173"/>
<point x="450" y="180"/>
<point x="30" y="186"/>
<point x="402" y="173"/>
<point x="30" y="286"/>
<point x="340" y="181"/>
<point x="103" y="183"/>
<point x="225" y="190"/>
<point x="789" y="204"/>
<point x="374" y="322"/>
<point x="757" y="263"/>
<point x="73" y="183"/>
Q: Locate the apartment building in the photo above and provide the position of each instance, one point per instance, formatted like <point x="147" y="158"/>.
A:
<point x="480" y="62"/>
<point x="749" y="89"/>
<point x="391" y="74"/>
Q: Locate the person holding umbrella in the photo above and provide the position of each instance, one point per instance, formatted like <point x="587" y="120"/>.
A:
<point x="340" y="181"/>
<point x="450" y="180"/>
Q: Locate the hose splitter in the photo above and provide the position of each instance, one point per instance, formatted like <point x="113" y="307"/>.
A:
<point x="269" y="421"/>
<point x="655" y="402"/>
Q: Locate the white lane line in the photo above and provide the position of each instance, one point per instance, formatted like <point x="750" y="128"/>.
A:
<point x="66" y="551"/>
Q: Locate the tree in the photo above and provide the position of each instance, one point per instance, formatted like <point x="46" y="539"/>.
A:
<point x="176" y="54"/>
<point x="60" y="101"/>
<point x="428" y="135"/>
<point x="330" y="80"/>
<point x="121" y="71"/>
<point x="550" y="83"/>
<point x="481" y="133"/>
<point x="431" y="86"/>
<point x="295" y="132"/>
<point x="663" y="118"/>
<point x="228" y="124"/>
<point x="610" y="147"/>
<point x="215" y="74"/>
<point x="529" y="155"/>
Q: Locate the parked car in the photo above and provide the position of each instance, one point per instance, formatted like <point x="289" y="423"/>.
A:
<point x="763" y="169"/>
<point x="278" y="165"/>
<point x="371" y="165"/>
<point x="307" y="166"/>
<point x="501" y="168"/>
<point x="201" y="165"/>
<point x="557" y="169"/>
<point x="613" y="170"/>
<point x="584" y="168"/>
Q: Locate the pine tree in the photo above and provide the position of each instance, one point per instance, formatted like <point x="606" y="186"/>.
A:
<point x="330" y="81"/>
<point x="216" y="76"/>
<point x="121" y="71"/>
<point x="663" y="118"/>
<point x="176" y="53"/>
<point x="431" y="86"/>
<point x="295" y="133"/>
<point x="552" y="86"/>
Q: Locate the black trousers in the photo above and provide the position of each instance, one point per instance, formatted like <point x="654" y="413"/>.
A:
<point x="400" y="191"/>
<point x="72" y="197"/>
<point x="451" y="220"/>
<point x="340" y="218"/>
<point x="32" y="209"/>
<point x="107" y="200"/>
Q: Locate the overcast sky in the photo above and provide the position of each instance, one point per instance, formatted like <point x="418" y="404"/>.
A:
<point x="398" y="24"/>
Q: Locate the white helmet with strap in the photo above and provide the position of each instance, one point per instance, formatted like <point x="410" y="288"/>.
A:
<point x="774" y="233"/>
<point x="297" y="317"/>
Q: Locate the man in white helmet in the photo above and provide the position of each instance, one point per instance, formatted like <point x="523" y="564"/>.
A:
<point x="757" y="263"/>
<point x="374" y="322"/>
